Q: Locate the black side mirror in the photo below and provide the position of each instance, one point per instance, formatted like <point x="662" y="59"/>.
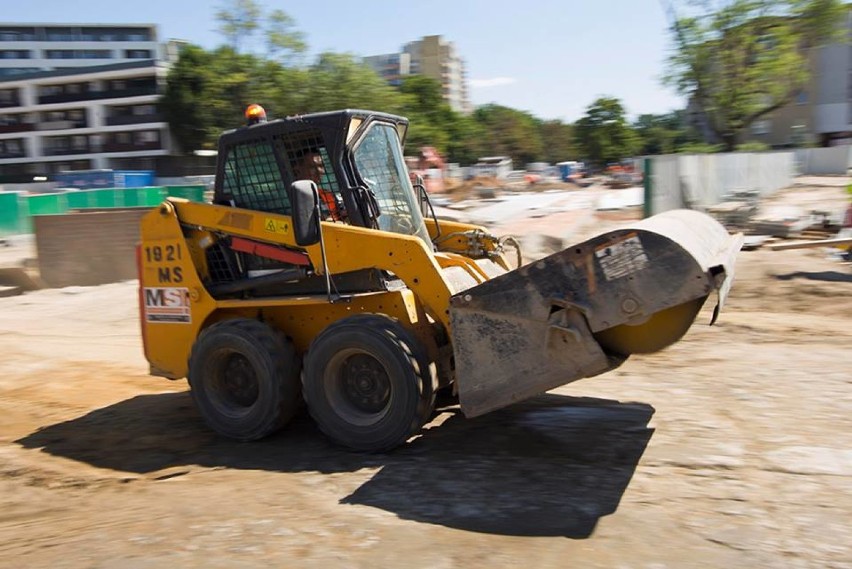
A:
<point x="304" y="198"/>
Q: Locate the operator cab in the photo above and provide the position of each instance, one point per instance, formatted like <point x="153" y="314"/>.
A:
<point x="354" y="157"/>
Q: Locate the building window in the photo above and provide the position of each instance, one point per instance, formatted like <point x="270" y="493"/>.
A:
<point x="14" y="54"/>
<point x="93" y="54"/>
<point x="10" y="71"/>
<point x="59" y="54"/>
<point x="17" y="34"/>
<point x="8" y="95"/>
<point x="60" y="34"/>
<point x="763" y="126"/>
<point x="137" y="54"/>
<point x="144" y="110"/>
<point x="147" y="137"/>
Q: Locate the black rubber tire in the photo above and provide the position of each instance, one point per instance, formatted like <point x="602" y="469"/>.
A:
<point x="394" y="361"/>
<point x="265" y="365"/>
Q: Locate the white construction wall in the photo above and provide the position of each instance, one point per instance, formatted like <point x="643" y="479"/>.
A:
<point x="702" y="180"/>
<point x="824" y="161"/>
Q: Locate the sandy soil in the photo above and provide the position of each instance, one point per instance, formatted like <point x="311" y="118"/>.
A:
<point x="732" y="448"/>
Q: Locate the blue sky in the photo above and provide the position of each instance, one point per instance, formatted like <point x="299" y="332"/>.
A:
<point x="549" y="57"/>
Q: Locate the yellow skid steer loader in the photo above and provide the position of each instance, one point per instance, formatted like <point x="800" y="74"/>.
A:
<point x="318" y="274"/>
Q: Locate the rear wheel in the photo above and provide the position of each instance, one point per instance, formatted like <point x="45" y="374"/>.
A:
<point x="368" y="383"/>
<point x="244" y="378"/>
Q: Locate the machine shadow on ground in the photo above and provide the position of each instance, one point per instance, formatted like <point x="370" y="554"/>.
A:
<point x="828" y="276"/>
<point x="550" y="466"/>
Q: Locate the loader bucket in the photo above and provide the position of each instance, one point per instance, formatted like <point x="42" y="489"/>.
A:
<point x="584" y="310"/>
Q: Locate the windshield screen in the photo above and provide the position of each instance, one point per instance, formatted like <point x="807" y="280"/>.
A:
<point x="379" y="160"/>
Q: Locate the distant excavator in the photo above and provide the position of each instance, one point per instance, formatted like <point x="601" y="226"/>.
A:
<point x="427" y="159"/>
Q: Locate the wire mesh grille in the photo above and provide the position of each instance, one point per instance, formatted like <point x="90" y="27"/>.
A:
<point x="306" y="158"/>
<point x="221" y="263"/>
<point x="253" y="180"/>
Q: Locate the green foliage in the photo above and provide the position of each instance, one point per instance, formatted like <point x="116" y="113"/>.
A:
<point x="699" y="148"/>
<point x="753" y="146"/>
<point x="663" y="134"/>
<point x="283" y="40"/>
<point x="338" y="81"/>
<point x="557" y="138"/>
<point x="184" y="104"/>
<point x="603" y="135"/>
<point x="747" y="58"/>
<point x="238" y="20"/>
<point x="510" y="133"/>
<point x="208" y="90"/>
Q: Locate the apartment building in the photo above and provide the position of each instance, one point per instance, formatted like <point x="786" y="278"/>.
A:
<point x="25" y="48"/>
<point x="86" y="118"/>
<point x="82" y="96"/>
<point x="433" y="57"/>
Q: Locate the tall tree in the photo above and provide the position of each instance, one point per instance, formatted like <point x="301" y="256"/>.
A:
<point x="743" y="60"/>
<point x="558" y="140"/>
<point x="238" y="21"/>
<point x="511" y="133"/>
<point x="340" y="80"/>
<point x="603" y="134"/>
<point x="283" y="41"/>
<point x="184" y="103"/>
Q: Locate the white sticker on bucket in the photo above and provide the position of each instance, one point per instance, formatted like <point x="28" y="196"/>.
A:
<point x="622" y="258"/>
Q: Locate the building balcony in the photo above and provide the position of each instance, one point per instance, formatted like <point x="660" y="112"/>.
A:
<point x="12" y="103"/>
<point x="23" y="127"/>
<point x="134" y="119"/>
<point x="15" y="154"/>
<point x="61" y="125"/>
<point x="130" y="146"/>
<point x="67" y="151"/>
<point x="96" y="95"/>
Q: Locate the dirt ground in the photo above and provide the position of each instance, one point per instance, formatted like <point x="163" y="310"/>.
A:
<point x="733" y="448"/>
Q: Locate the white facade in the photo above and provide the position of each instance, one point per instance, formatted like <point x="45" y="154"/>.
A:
<point x="80" y="96"/>
<point x="86" y="119"/>
<point x="32" y="47"/>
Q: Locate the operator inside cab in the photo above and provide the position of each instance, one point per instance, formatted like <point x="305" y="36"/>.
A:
<point x="308" y="166"/>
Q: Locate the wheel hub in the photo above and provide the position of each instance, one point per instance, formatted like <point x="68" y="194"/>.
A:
<point x="365" y="383"/>
<point x="240" y="381"/>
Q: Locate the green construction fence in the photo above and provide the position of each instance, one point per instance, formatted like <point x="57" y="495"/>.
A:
<point x="12" y="214"/>
<point x="16" y="209"/>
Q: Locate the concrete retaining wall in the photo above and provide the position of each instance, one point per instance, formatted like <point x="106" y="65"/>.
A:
<point x="87" y="248"/>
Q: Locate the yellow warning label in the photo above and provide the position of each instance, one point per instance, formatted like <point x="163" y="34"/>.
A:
<point x="275" y="226"/>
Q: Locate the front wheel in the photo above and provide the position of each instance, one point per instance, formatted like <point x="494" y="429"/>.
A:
<point x="244" y="378"/>
<point x="368" y="383"/>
